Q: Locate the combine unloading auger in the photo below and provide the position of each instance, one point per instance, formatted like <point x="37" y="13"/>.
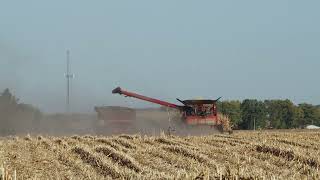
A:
<point x="194" y="112"/>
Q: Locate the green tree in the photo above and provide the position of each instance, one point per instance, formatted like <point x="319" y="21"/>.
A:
<point x="8" y="107"/>
<point x="16" y="116"/>
<point x="253" y="112"/>
<point x="311" y="114"/>
<point x="317" y="120"/>
<point x="299" y="116"/>
<point x="232" y="110"/>
<point x="281" y="113"/>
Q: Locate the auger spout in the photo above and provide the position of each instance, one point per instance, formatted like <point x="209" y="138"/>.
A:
<point x="120" y="91"/>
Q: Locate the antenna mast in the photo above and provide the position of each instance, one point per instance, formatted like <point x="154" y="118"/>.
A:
<point x="69" y="76"/>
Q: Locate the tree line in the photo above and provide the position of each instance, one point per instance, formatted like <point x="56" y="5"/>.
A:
<point x="272" y="114"/>
<point x="16" y="117"/>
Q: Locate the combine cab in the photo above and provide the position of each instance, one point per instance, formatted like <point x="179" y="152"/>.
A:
<point x="114" y="119"/>
<point x="195" y="113"/>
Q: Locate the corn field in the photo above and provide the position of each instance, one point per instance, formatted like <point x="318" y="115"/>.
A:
<point x="243" y="155"/>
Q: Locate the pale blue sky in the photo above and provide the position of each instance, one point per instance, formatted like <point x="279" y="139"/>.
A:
<point x="166" y="49"/>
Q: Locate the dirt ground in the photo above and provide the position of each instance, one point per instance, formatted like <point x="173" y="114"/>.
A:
<point x="243" y="155"/>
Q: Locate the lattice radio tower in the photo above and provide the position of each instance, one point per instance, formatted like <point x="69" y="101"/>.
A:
<point x="68" y="76"/>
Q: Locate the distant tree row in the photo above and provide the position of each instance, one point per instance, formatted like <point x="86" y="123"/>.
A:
<point x="277" y="114"/>
<point x="17" y="117"/>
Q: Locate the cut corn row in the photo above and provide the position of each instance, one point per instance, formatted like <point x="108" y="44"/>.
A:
<point x="243" y="155"/>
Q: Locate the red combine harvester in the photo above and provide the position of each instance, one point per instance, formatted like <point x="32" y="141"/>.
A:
<point x="199" y="113"/>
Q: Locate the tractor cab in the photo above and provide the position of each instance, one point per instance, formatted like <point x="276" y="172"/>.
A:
<point x="200" y="111"/>
<point x="200" y="107"/>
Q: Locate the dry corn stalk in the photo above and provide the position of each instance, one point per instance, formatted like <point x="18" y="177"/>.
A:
<point x="243" y="155"/>
<point x="2" y="173"/>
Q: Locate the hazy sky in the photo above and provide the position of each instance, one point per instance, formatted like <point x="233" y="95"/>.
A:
<point x="166" y="49"/>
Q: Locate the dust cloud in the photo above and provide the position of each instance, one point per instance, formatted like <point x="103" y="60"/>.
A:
<point x="147" y="122"/>
<point x="18" y="117"/>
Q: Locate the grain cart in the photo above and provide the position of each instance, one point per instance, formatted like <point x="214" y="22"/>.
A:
<point x="114" y="120"/>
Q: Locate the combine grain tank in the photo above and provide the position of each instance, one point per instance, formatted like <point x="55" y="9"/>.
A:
<point x="114" y="119"/>
<point x="195" y="113"/>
